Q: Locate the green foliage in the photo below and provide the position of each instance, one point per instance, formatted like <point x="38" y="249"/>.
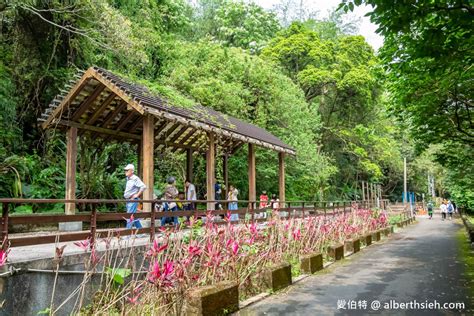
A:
<point x="249" y="88"/>
<point x="314" y="84"/>
<point x="118" y="274"/>
<point x="428" y="56"/>
<point x="339" y="75"/>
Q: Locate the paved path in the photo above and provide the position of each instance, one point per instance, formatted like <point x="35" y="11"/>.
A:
<point x="419" y="263"/>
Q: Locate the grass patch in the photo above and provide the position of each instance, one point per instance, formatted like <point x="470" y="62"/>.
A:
<point x="466" y="256"/>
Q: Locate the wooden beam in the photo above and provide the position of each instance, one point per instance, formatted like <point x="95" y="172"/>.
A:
<point x="70" y="97"/>
<point x="363" y="190"/>
<point x="281" y="176"/>
<point x="100" y="130"/>
<point x="71" y="157"/>
<point x="210" y="171"/>
<point x="189" y="164"/>
<point x="148" y="162"/>
<point x="140" y="160"/>
<point x="113" y="114"/>
<point x="225" y="167"/>
<point x="87" y="102"/>
<point x="251" y="167"/>
<point x="101" y="109"/>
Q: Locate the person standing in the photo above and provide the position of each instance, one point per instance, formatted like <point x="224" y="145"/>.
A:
<point x="134" y="188"/>
<point x="171" y="193"/>
<point x="430" y="209"/>
<point x="232" y="195"/>
<point x="264" y="199"/>
<point x="191" y="195"/>
<point x="444" y="210"/>
<point x="217" y="194"/>
<point x="263" y="202"/>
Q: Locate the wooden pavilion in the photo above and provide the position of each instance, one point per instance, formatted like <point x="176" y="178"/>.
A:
<point x="111" y="107"/>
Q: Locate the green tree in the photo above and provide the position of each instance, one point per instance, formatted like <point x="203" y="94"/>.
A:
<point x="428" y="55"/>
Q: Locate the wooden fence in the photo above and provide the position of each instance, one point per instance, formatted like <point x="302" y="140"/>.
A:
<point x="252" y="211"/>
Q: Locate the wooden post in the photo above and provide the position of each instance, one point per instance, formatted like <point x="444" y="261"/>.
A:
<point x="5" y="215"/>
<point x="140" y="160"/>
<point x="363" y="190"/>
<point x="281" y="176"/>
<point x="152" y="223"/>
<point x="189" y="164"/>
<point x="93" y="226"/>
<point x="251" y="167"/>
<point x="71" y="156"/>
<point x="210" y="170"/>
<point x="225" y="172"/>
<point x="148" y="145"/>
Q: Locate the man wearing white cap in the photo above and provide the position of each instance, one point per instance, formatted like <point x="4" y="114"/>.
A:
<point x="133" y="190"/>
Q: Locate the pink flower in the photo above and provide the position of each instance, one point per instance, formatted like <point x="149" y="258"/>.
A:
<point x="235" y="248"/>
<point x="84" y="244"/>
<point x="227" y="216"/>
<point x="194" y="251"/>
<point x="297" y="234"/>
<point x="156" y="249"/>
<point x="3" y="257"/>
<point x="253" y="229"/>
<point x="133" y="300"/>
<point x="162" y="276"/>
<point x="94" y="258"/>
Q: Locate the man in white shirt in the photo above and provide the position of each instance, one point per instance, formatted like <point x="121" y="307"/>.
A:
<point x="190" y="194"/>
<point x="133" y="190"/>
<point x="444" y="209"/>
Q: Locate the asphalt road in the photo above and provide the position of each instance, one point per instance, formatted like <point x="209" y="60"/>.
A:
<point x="419" y="263"/>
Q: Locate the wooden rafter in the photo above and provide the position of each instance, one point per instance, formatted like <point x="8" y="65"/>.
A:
<point x="136" y="124"/>
<point x="69" y="98"/>
<point x="161" y="128"/>
<point x="170" y="130"/>
<point x="101" y="108"/>
<point x="88" y="101"/>
<point x="114" y="114"/>
<point x="120" y="93"/>
<point x="236" y="147"/>
<point x="178" y="134"/>
<point x="125" y="120"/>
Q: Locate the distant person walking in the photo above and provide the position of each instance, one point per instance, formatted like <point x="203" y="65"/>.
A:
<point x="444" y="210"/>
<point x="450" y="209"/>
<point x="133" y="190"/>
<point x="430" y="209"/>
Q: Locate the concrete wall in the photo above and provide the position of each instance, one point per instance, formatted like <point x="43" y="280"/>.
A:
<point x="27" y="293"/>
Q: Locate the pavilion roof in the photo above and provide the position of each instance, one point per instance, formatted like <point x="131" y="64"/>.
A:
<point x="102" y="102"/>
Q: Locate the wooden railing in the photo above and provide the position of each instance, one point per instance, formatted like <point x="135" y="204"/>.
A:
<point x="251" y="211"/>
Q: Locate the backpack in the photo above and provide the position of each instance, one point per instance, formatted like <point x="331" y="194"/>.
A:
<point x="450" y="208"/>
